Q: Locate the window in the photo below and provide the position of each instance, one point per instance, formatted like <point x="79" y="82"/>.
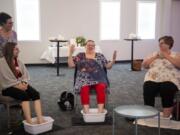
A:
<point x="110" y="20"/>
<point x="146" y="19"/>
<point x="27" y="17"/>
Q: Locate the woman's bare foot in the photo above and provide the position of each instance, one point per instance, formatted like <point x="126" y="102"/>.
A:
<point x="166" y="116"/>
<point x="100" y="108"/>
<point x="101" y="111"/>
<point x="30" y="122"/>
<point x="35" y="122"/>
<point x="86" y="111"/>
<point x="86" y="108"/>
<point x="40" y="121"/>
<point x="167" y="112"/>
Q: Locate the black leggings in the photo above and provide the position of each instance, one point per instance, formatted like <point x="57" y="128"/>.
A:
<point x="27" y="95"/>
<point x="166" y="90"/>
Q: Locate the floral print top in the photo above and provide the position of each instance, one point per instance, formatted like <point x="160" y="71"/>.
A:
<point x="162" y="70"/>
<point x="89" y="71"/>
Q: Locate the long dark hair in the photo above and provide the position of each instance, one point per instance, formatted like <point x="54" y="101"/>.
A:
<point x="9" y="55"/>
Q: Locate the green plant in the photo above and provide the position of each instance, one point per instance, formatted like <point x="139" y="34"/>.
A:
<point x="81" y="40"/>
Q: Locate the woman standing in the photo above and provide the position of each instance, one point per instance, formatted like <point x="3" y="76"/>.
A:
<point x="6" y="32"/>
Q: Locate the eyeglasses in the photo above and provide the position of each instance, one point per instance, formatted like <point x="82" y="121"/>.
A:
<point x="11" y="23"/>
<point x="161" y="43"/>
<point x="16" y="49"/>
<point x="90" y="44"/>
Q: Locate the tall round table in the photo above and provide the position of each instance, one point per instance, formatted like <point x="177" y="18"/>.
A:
<point x="58" y="45"/>
<point x="132" y="49"/>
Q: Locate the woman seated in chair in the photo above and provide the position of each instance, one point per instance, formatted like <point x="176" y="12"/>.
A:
<point x="163" y="76"/>
<point x="14" y="81"/>
<point x="90" y="74"/>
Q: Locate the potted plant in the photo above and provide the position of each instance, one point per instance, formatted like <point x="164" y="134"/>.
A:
<point x="80" y="41"/>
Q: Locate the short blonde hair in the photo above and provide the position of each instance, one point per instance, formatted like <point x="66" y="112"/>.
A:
<point x="89" y="41"/>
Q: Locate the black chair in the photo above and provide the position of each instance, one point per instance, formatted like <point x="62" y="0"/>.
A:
<point x="8" y="102"/>
<point x="92" y="91"/>
<point x="177" y="100"/>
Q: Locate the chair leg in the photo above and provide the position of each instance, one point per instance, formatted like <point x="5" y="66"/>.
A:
<point x="76" y="103"/>
<point x="177" y="113"/>
<point x="107" y="99"/>
<point x="8" y="115"/>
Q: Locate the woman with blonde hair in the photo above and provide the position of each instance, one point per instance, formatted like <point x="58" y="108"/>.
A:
<point x="90" y="74"/>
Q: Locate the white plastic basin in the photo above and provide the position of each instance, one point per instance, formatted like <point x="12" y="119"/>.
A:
<point x="94" y="116"/>
<point x="39" y="128"/>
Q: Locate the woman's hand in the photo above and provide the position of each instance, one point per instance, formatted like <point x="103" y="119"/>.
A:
<point x="149" y="60"/>
<point x="70" y="59"/>
<point x="114" y="56"/>
<point x="109" y="64"/>
<point x="71" y="50"/>
<point x="22" y="86"/>
<point x="164" y="54"/>
<point x="174" y="60"/>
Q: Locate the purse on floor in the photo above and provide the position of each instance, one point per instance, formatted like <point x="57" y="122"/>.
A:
<point x="66" y="101"/>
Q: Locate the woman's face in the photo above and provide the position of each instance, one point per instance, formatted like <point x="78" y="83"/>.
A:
<point x="163" y="46"/>
<point x="90" y="46"/>
<point x="16" y="51"/>
<point x="8" y="25"/>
